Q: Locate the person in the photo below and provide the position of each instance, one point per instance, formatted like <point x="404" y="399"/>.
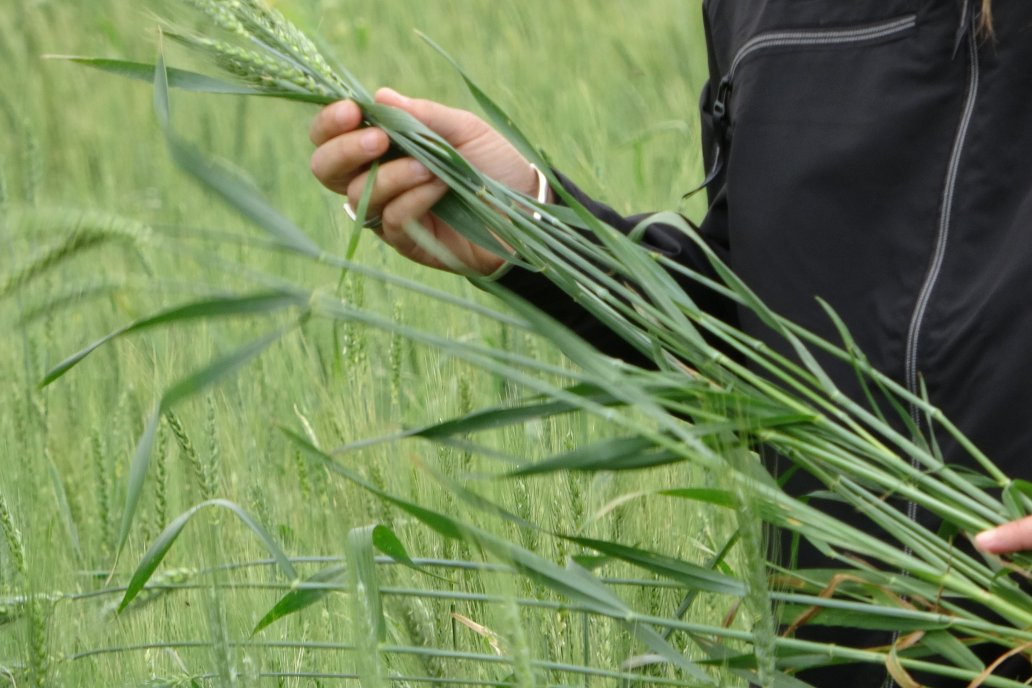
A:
<point x="875" y="154"/>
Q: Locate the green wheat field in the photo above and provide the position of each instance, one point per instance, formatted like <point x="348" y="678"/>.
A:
<point x="608" y="88"/>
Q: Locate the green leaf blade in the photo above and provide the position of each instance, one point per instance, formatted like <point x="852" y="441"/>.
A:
<point x="161" y="546"/>
<point x="307" y="593"/>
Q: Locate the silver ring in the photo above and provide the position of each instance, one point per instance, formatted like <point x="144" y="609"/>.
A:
<point x="373" y="223"/>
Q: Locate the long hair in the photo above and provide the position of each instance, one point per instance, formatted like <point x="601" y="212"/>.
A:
<point x="985" y="22"/>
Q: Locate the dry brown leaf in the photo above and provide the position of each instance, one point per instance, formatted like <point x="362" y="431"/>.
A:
<point x="493" y="639"/>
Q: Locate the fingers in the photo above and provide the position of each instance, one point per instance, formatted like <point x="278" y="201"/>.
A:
<point x="392" y="180"/>
<point x="413" y="205"/>
<point x="1010" y="537"/>
<point x="456" y="126"/>
<point x="339" y="160"/>
<point x="344" y="149"/>
<point x="334" y="120"/>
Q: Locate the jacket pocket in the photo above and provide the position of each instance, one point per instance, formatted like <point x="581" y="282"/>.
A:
<point x="798" y="40"/>
<point x="826" y="144"/>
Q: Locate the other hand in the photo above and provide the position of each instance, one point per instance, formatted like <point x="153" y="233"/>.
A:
<point x="1011" y="537"/>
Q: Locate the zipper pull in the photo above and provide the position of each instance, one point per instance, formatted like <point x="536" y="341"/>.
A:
<point x="720" y="116"/>
<point x="715" y="170"/>
<point x="720" y="135"/>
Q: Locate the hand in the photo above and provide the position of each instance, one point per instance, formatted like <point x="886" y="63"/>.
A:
<point x="1010" y="537"/>
<point x="405" y="190"/>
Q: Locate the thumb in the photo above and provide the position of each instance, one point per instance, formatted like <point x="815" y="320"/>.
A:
<point x="1010" y="537"/>
<point x="455" y="126"/>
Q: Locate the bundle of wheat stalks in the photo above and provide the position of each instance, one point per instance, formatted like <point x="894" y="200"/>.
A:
<point x="787" y="404"/>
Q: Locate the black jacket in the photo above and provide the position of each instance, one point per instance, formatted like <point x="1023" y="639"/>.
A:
<point x="877" y="154"/>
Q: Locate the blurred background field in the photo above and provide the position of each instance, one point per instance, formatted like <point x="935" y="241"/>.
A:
<point x="606" y="87"/>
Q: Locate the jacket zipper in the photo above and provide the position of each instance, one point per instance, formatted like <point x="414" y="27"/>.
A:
<point x="945" y="222"/>
<point x="943" y="234"/>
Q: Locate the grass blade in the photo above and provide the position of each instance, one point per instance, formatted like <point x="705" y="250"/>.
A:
<point x="307" y="593"/>
<point x="692" y="576"/>
<point x="247" y="200"/>
<point x="322" y="582"/>
<point x="142" y="71"/>
<point x="183" y="79"/>
<point x="187" y="387"/>
<point x="161" y="546"/>
<point x="619" y="454"/>
<point x="495" y="418"/>
<point x="365" y="584"/>
<point x="250" y="304"/>
<point x="573" y="582"/>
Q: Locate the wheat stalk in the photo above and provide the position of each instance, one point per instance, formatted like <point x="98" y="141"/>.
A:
<point x="788" y="404"/>
<point x="13" y="538"/>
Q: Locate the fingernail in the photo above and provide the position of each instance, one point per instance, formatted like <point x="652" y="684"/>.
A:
<point x="419" y="171"/>
<point x="986" y="540"/>
<point x="371" y="141"/>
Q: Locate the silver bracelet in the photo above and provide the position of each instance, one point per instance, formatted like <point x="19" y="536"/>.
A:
<point x="542" y="190"/>
<point x="373" y="223"/>
<point x="542" y="198"/>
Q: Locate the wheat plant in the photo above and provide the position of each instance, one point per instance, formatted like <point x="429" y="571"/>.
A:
<point x="738" y="393"/>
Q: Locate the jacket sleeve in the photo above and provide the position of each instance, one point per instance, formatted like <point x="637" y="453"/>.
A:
<point x="661" y="238"/>
<point x="665" y="239"/>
